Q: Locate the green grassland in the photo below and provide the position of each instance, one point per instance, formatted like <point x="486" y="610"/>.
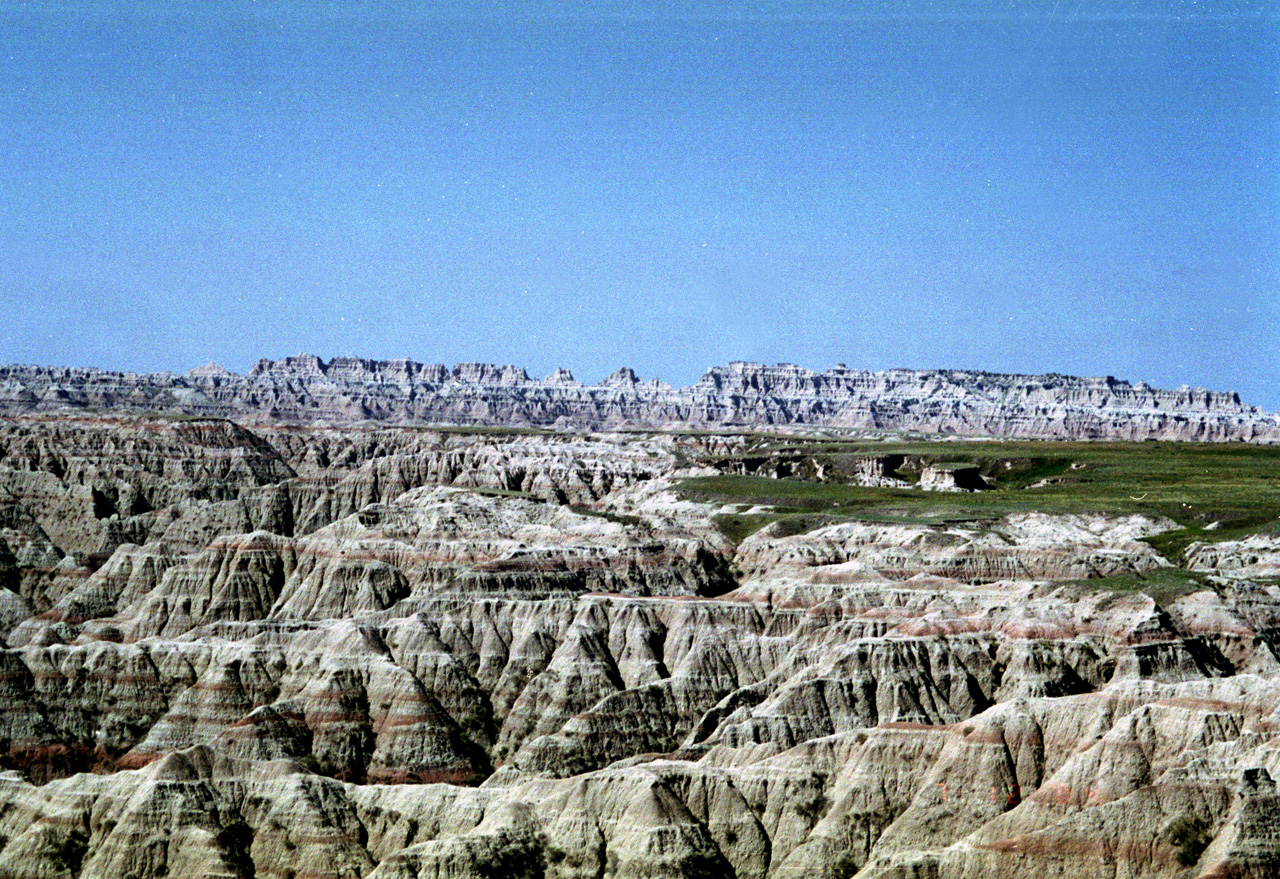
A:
<point x="1162" y="584"/>
<point x="1235" y="485"/>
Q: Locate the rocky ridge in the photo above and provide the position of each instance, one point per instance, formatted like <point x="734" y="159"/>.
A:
<point x="400" y="652"/>
<point x="307" y="390"/>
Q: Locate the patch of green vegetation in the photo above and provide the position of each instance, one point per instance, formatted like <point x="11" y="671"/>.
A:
<point x="188" y="418"/>
<point x="475" y="753"/>
<point x="479" y="429"/>
<point x="811" y="801"/>
<point x="518" y="858"/>
<point x="789" y="526"/>
<point x="845" y="867"/>
<point x="620" y="518"/>
<point x="791" y="495"/>
<point x="68" y="851"/>
<point x="1171" y="544"/>
<point x="502" y="492"/>
<point x="738" y="527"/>
<point x="1024" y="474"/>
<point x="703" y="866"/>
<point x="1190" y="836"/>
<point x="1162" y="584"/>
<point x="1235" y="485"/>
<point x="813" y="808"/>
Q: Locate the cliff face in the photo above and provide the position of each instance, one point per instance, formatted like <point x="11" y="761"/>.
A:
<point x="306" y="389"/>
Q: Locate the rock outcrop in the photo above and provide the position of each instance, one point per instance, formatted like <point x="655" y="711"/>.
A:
<point x="307" y="390"/>
<point x="387" y="651"/>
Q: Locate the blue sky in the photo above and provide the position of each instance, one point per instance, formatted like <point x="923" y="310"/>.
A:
<point x="1079" y="187"/>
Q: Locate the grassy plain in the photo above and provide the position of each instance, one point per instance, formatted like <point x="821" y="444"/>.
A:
<point x="1212" y="491"/>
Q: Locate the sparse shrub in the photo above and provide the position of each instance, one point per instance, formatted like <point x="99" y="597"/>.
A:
<point x="792" y="525"/>
<point x="845" y="867"/>
<point x="700" y="866"/>
<point x="813" y="807"/>
<point x="811" y="803"/>
<point x="521" y="859"/>
<point x="235" y="839"/>
<point x="69" y="851"/>
<point x="1190" y="836"/>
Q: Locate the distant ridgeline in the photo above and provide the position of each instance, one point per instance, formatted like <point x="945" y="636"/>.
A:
<point x="345" y="390"/>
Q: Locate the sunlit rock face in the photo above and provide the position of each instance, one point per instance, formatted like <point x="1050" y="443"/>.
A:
<point x="305" y="389"/>
<point x="386" y="651"/>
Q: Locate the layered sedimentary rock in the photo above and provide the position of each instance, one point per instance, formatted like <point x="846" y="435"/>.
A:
<point x="306" y="389"/>
<point x="397" y="652"/>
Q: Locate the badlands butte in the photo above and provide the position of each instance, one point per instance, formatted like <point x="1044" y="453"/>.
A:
<point x="380" y="619"/>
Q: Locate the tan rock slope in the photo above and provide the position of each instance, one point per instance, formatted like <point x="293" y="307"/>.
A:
<point x="401" y="652"/>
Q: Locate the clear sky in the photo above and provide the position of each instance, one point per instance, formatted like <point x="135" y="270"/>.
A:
<point x="1061" y="186"/>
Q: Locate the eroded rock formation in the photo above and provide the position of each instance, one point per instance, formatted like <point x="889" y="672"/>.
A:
<point x="305" y="389"/>
<point x="398" y="652"/>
